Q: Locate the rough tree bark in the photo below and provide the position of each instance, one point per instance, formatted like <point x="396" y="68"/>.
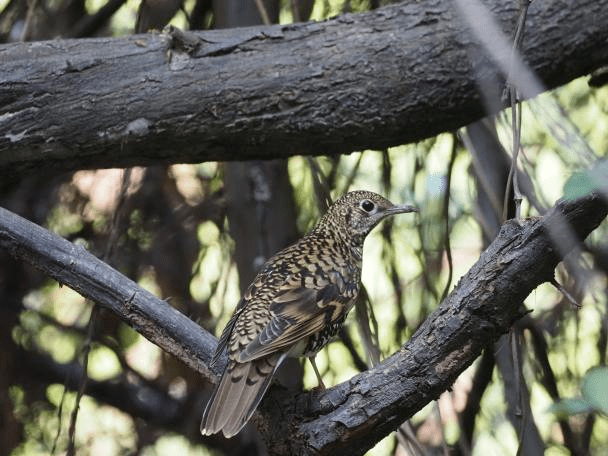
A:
<point x="352" y="416"/>
<point x="391" y="76"/>
<point x="260" y="206"/>
<point x="491" y="165"/>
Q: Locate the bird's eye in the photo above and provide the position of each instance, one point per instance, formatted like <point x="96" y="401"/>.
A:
<point x="367" y="206"/>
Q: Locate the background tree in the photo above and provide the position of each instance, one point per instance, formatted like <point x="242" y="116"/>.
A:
<point x="194" y="234"/>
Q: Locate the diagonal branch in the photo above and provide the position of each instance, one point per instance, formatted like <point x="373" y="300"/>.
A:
<point x="351" y="417"/>
<point x="73" y="266"/>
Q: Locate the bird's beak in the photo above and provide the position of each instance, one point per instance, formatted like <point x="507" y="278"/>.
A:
<point x="401" y="209"/>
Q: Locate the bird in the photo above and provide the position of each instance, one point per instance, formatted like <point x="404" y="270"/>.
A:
<point x="294" y="307"/>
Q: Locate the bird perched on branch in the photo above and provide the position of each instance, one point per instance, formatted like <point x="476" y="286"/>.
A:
<point x="294" y="306"/>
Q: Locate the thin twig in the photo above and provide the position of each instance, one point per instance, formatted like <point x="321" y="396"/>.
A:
<point x="350" y="178"/>
<point x="263" y="12"/>
<point x="547" y="378"/>
<point x="88" y="25"/>
<point x="407" y="438"/>
<point x="446" y="207"/>
<point x="521" y="408"/>
<point x="320" y="185"/>
<point x="516" y="112"/>
<point x="28" y="20"/>
<point x="565" y="293"/>
<point x="518" y="38"/>
<point x="113" y="239"/>
<point x="295" y="10"/>
<point x="59" y="417"/>
<point x="516" y="125"/>
<point x="71" y="450"/>
<point x="444" y="445"/>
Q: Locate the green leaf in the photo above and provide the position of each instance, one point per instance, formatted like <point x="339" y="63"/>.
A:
<point x="595" y="389"/>
<point x="588" y="181"/>
<point x="571" y="406"/>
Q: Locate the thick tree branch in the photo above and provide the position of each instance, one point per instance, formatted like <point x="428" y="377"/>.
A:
<point x="353" y="416"/>
<point x="391" y="76"/>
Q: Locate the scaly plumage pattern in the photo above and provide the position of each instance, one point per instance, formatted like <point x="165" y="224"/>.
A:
<point x="294" y="306"/>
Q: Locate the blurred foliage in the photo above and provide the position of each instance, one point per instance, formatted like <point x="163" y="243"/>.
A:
<point x="174" y="239"/>
<point x="593" y="399"/>
<point x="586" y="182"/>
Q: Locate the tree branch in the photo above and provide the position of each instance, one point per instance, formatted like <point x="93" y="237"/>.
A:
<point x="351" y="417"/>
<point x="391" y="76"/>
<point x="72" y="265"/>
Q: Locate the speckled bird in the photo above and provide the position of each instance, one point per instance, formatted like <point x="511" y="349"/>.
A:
<point x="294" y="307"/>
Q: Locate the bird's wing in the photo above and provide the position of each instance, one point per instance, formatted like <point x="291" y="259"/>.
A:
<point x="295" y="313"/>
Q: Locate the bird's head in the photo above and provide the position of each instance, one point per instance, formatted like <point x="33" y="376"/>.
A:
<point x="356" y="213"/>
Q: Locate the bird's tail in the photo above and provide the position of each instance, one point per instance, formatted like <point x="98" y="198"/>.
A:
<point x="238" y="394"/>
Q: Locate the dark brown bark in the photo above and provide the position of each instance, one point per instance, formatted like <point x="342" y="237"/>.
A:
<point x="491" y="165"/>
<point x="352" y="416"/>
<point x="391" y="76"/>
